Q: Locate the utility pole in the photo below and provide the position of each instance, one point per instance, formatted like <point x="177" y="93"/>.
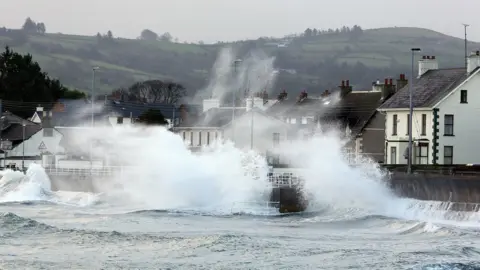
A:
<point x="94" y="69"/>
<point x="410" y="117"/>
<point x="235" y="64"/>
<point x="466" y="52"/>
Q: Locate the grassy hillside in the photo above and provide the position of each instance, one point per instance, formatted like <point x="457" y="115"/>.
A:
<point x="320" y="61"/>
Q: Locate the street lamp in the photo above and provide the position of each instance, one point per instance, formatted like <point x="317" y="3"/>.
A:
<point x="94" y="69"/>
<point x="410" y="117"/>
<point x="235" y="64"/>
<point x="23" y="146"/>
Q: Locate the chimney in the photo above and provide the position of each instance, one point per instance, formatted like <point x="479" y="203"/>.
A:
<point x="283" y="95"/>
<point x="183" y="112"/>
<point x="303" y="95"/>
<point x="210" y="104"/>
<point x="387" y="89"/>
<point x="345" y="88"/>
<point x="473" y="61"/>
<point x="401" y="82"/>
<point x="427" y="63"/>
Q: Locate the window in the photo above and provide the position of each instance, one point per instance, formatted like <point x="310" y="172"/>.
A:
<point x="448" y="155"/>
<point x="408" y="124"/>
<point x="393" y="155"/>
<point x="216" y="135"/>
<point x="199" y="138"/>
<point x="119" y="120"/>
<point x="208" y="138"/>
<point x="394" y="126"/>
<point x="304" y="120"/>
<point x="184" y="136"/>
<point x="276" y="139"/>
<point x="293" y="120"/>
<point x="422" y="153"/>
<point x="48" y="132"/>
<point x="424" y="124"/>
<point x="191" y="137"/>
<point x="463" y="96"/>
<point x="448" y="126"/>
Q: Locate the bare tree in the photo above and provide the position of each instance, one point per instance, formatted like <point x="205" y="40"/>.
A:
<point x="172" y="92"/>
<point x="153" y="91"/>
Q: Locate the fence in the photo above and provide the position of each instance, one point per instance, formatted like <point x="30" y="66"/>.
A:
<point x="277" y="179"/>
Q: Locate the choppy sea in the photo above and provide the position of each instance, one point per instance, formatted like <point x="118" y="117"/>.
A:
<point x="41" y="229"/>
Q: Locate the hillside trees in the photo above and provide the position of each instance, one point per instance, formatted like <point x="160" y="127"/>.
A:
<point x="22" y="79"/>
<point x="152" y="91"/>
<point x="32" y="27"/>
<point x="149" y="35"/>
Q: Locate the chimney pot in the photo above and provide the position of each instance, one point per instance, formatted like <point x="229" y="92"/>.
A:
<point x="477" y="52"/>
<point x="348" y="83"/>
<point x="343" y="83"/>
<point x="391" y="81"/>
<point x="433" y="57"/>
<point x="386" y="81"/>
<point x="424" y="57"/>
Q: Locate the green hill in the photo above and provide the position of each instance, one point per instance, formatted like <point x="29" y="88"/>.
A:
<point x="320" y="61"/>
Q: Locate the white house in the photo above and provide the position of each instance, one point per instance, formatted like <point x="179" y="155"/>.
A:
<point x="251" y="127"/>
<point x="24" y="141"/>
<point x="446" y="105"/>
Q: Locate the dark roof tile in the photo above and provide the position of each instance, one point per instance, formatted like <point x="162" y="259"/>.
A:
<point x="429" y="88"/>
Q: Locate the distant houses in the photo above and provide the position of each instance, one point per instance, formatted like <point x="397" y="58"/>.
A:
<point x="51" y="137"/>
<point x="373" y="122"/>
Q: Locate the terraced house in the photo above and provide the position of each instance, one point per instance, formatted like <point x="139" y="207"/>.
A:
<point x="446" y="107"/>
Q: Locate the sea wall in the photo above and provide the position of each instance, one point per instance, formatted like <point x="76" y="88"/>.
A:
<point x="289" y="199"/>
<point x="437" y="187"/>
<point x="80" y="183"/>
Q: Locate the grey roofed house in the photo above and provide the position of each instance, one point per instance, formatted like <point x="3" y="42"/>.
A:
<point x="72" y="113"/>
<point x="354" y="110"/>
<point x="215" y="118"/>
<point x="77" y="112"/>
<point x="12" y="128"/>
<point x="431" y="87"/>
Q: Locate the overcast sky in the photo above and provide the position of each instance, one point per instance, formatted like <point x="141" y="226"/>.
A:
<point x="214" y="20"/>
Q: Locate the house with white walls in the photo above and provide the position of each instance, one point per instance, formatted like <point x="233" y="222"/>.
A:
<point x="248" y="127"/>
<point x="446" y="103"/>
<point x="24" y="142"/>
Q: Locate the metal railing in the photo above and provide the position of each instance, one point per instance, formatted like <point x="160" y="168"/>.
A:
<point x="101" y="171"/>
<point x="284" y="179"/>
<point x="276" y="179"/>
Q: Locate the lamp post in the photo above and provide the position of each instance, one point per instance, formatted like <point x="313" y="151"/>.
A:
<point x="410" y="117"/>
<point x="235" y="64"/>
<point x="23" y="146"/>
<point x="94" y="69"/>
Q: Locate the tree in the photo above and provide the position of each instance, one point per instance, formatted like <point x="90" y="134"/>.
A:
<point x="308" y="32"/>
<point x="22" y="80"/>
<point x="109" y="34"/>
<point x="29" y="26"/>
<point x="152" y="117"/>
<point x="152" y="91"/>
<point x="148" y="34"/>
<point x="166" y="37"/>
<point x="41" y="28"/>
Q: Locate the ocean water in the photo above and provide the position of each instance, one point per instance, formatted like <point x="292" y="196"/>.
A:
<point x="41" y="229"/>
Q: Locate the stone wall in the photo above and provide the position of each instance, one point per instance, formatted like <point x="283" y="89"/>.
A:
<point x="437" y="187"/>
